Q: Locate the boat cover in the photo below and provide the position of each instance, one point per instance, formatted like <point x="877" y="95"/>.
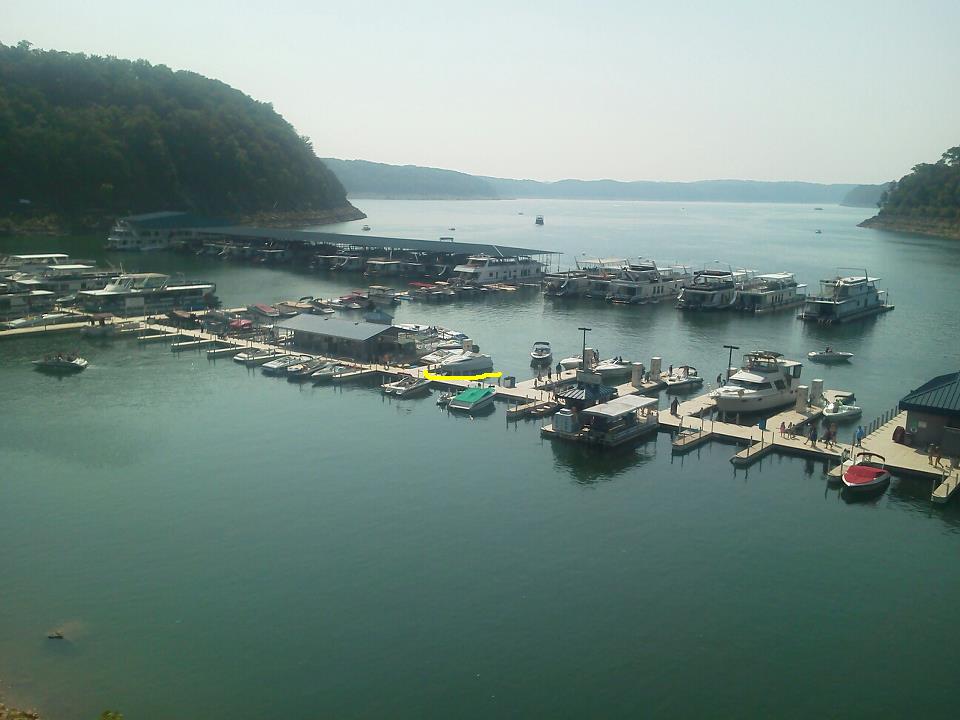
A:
<point x="862" y="474"/>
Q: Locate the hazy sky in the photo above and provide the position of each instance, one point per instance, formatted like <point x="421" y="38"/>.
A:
<point x="671" y="90"/>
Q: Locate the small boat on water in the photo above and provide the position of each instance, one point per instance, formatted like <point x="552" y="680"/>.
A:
<point x="280" y="365"/>
<point x="303" y="371"/>
<point x="829" y="356"/>
<point x="328" y="372"/>
<point x="366" y="228"/>
<point x="445" y="397"/>
<point x="838" y="411"/>
<point x="406" y="386"/>
<point x="541" y="353"/>
<point x="252" y="358"/>
<point x="61" y="363"/>
<point x="472" y="399"/>
<point x="683" y="378"/>
<point x="866" y="472"/>
<point x="539" y="220"/>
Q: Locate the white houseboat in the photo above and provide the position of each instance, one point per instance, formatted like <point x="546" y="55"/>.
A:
<point x="776" y="291"/>
<point x="485" y="269"/>
<point x="644" y="282"/>
<point x="842" y="299"/>
<point x="144" y="293"/>
<point x="716" y="289"/>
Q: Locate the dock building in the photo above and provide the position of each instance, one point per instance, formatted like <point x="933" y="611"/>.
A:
<point x="933" y="414"/>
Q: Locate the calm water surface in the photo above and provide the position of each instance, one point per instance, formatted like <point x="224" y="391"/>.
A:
<point x="219" y="544"/>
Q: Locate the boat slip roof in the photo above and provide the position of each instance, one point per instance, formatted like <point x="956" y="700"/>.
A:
<point x="334" y="327"/>
<point x="940" y="396"/>
<point x="621" y="406"/>
<point x="372" y="241"/>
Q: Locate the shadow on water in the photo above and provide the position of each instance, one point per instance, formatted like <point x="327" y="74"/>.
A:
<point x="589" y="464"/>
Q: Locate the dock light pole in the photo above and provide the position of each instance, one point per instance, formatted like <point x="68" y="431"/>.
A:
<point x="583" y="352"/>
<point x="731" y="348"/>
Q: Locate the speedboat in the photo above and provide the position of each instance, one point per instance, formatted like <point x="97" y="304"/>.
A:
<point x="839" y="412"/>
<point x="765" y="381"/>
<point x="265" y="310"/>
<point x="865" y="472"/>
<point x="328" y="372"/>
<point x="575" y="361"/>
<point x="280" y="365"/>
<point x="829" y="356"/>
<point x="683" y="378"/>
<point x="302" y="371"/>
<point x="472" y="399"/>
<point x="466" y="362"/>
<point x="254" y="357"/>
<point x="541" y="353"/>
<point x="406" y="386"/>
<point x="61" y="363"/>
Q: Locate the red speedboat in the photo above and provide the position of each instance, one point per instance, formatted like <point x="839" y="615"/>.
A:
<point x="866" y="472"/>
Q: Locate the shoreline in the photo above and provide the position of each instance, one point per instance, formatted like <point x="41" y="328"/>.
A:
<point x="929" y="227"/>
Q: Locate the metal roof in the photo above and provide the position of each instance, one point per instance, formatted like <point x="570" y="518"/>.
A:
<point x="940" y="396"/>
<point x="621" y="406"/>
<point x="334" y="327"/>
<point x="372" y="241"/>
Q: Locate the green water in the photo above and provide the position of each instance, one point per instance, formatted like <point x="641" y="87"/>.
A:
<point x="219" y="544"/>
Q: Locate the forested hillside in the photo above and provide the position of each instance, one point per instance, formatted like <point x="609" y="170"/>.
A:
<point x="926" y="201"/>
<point x="84" y="135"/>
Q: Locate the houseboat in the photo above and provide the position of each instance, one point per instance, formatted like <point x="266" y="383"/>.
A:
<point x="125" y="236"/>
<point x="643" y="282"/>
<point x="18" y="303"/>
<point x="765" y="381"/>
<point x="776" y="291"/>
<point x="144" y="293"/>
<point x="609" y="423"/>
<point x="485" y="269"/>
<point x="842" y="299"/>
<point x="716" y="289"/>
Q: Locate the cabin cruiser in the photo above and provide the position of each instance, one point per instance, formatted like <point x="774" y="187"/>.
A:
<point x="464" y="362"/>
<point x="683" y="378"/>
<point x="61" y="362"/>
<point x="575" y="361"/>
<point x="839" y="411"/>
<point x="842" y="299"/>
<point x="279" y="366"/>
<point x="144" y="293"/>
<point x="715" y="289"/>
<point x="643" y="282"/>
<point x="829" y="356"/>
<point x="541" y="353"/>
<point x="486" y="269"/>
<point x="472" y="400"/>
<point x="866" y="472"/>
<point x="776" y="291"/>
<point x="406" y="386"/>
<point x="613" y="370"/>
<point x="765" y="381"/>
<point x="38" y="320"/>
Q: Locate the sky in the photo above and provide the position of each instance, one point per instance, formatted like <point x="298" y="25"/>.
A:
<point x="842" y="91"/>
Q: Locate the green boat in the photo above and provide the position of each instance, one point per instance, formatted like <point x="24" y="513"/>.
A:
<point x="473" y="399"/>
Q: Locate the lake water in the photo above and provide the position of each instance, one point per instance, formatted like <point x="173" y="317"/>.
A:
<point x="219" y="544"/>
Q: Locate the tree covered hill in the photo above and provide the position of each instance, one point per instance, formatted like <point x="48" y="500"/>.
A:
<point x="85" y="135"/>
<point x="926" y="201"/>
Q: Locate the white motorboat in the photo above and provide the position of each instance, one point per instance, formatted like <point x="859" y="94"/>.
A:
<point x="613" y="370"/>
<point x="683" y="378"/>
<point x="575" y="361"/>
<point x="304" y="370"/>
<point x="252" y="358"/>
<point x="280" y="365"/>
<point x="445" y="397"/>
<point x="829" y="356"/>
<point x="406" y="386"/>
<point x="838" y="411"/>
<point x="61" y="362"/>
<point x="465" y="362"/>
<point x="328" y="372"/>
<point x="765" y="381"/>
<point x="866" y="472"/>
<point x="541" y="353"/>
<point x="438" y="356"/>
<point x="472" y="399"/>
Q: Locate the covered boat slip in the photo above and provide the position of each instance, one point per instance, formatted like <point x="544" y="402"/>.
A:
<point x="611" y="423"/>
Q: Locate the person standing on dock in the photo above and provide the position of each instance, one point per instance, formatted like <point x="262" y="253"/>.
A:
<point x="674" y="404"/>
<point x="858" y="436"/>
<point x="719" y="379"/>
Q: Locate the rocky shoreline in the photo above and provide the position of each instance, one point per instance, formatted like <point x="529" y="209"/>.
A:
<point x="9" y="713"/>
<point x="934" y="227"/>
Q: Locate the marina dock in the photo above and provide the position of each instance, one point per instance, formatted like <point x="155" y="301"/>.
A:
<point x="697" y="420"/>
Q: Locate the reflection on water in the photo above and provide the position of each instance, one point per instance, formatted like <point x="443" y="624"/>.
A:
<point x="589" y="464"/>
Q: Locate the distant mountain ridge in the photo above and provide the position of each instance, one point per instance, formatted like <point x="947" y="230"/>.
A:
<point x="363" y="178"/>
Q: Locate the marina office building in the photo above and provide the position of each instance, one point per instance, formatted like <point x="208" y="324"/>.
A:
<point x="359" y="340"/>
<point x="933" y="414"/>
